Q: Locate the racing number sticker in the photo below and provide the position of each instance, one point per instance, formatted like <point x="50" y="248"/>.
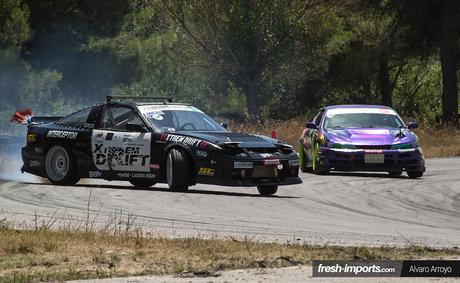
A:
<point x="120" y="151"/>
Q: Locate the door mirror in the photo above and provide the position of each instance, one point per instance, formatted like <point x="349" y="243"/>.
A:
<point x="311" y="125"/>
<point x="135" y="128"/>
<point x="412" y="125"/>
<point x="225" y="125"/>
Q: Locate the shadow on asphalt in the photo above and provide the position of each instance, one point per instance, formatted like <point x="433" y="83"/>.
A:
<point x="367" y="174"/>
<point x="190" y="191"/>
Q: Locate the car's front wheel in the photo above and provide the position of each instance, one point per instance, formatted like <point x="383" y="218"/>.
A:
<point x="267" y="190"/>
<point x="60" y="166"/>
<point x="141" y="183"/>
<point x="395" y="173"/>
<point x="317" y="168"/>
<point x="415" y="174"/>
<point x="177" y="171"/>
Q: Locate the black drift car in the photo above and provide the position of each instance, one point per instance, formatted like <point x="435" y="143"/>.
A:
<point x="155" y="142"/>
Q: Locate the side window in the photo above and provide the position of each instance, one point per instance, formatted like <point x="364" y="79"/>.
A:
<point x="118" y="117"/>
<point x="318" y="117"/>
<point x="78" y="119"/>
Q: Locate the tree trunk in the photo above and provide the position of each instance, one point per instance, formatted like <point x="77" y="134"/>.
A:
<point x="251" y="98"/>
<point x="449" y="37"/>
<point x="385" y="87"/>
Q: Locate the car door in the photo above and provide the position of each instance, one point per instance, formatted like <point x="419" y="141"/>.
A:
<point x="120" y="142"/>
<point x="312" y="135"/>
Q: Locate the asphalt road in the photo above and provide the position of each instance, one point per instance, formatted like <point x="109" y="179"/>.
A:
<point x="342" y="208"/>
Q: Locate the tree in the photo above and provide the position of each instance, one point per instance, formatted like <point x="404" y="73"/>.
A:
<point x="450" y="33"/>
<point x="433" y="26"/>
<point x="14" y="24"/>
<point x="245" y="40"/>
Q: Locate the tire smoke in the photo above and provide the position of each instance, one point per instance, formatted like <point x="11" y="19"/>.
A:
<point x="11" y="161"/>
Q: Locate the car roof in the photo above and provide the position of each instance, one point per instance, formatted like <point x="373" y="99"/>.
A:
<point x="357" y="106"/>
<point x="134" y="103"/>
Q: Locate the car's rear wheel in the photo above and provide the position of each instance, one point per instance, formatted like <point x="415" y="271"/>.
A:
<point x="395" y="173"/>
<point x="267" y="190"/>
<point x="60" y="166"/>
<point x="143" y="183"/>
<point x="415" y="174"/>
<point x="177" y="171"/>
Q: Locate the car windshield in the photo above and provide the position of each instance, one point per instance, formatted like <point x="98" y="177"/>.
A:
<point x="170" y="118"/>
<point x="362" y="120"/>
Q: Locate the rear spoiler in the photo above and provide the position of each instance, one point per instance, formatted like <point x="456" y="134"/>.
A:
<point x="45" y="120"/>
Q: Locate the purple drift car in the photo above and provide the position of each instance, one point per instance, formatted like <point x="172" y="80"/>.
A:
<point x="360" y="138"/>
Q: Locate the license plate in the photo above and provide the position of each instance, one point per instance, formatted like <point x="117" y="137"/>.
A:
<point x="265" y="172"/>
<point x="374" y="158"/>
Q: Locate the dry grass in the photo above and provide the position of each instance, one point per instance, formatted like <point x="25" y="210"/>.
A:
<point x="44" y="255"/>
<point x="442" y="142"/>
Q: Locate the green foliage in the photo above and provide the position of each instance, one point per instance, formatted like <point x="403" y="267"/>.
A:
<point x="274" y="60"/>
<point x="418" y="92"/>
<point x="14" y="24"/>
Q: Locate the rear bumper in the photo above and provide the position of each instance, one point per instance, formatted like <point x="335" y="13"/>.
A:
<point x="354" y="159"/>
<point x="33" y="163"/>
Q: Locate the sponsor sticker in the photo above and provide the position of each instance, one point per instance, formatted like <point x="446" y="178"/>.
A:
<point x="94" y="174"/>
<point x="184" y="140"/>
<point x="62" y="135"/>
<point x="136" y="175"/>
<point x="332" y="112"/>
<point x="32" y="137"/>
<point x="127" y="138"/>
<point x="145" y="109"/>
<point x="156" y="114"/>
<point x="99" y="136"/>
<point x="272" y="162"/>
<point x="203" y="171"/>
<point x="155" y="166"/>
<point x="34" y="163"/>
<point x="121" y="151"/>
<point x="243" y="165"/>
<point x="201" y="153"/>
<point x="373" y="151"/>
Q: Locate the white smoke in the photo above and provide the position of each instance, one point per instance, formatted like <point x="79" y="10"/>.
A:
<point x="10" y="168"/>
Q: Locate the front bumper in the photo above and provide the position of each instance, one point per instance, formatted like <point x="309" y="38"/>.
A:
<point x="227" y="173"/>
<point x="354" y="159"/>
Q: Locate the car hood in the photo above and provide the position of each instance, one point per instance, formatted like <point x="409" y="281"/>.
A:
<point x="239" y="139"/>
<point x="370" y="136"/>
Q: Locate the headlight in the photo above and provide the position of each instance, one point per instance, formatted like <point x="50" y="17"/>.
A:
<point x="343" y="146"/>
<point x="407" y="145"/>
<point x="294" y="162"/>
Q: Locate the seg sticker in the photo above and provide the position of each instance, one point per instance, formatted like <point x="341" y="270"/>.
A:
<point x="203" y="171"/>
